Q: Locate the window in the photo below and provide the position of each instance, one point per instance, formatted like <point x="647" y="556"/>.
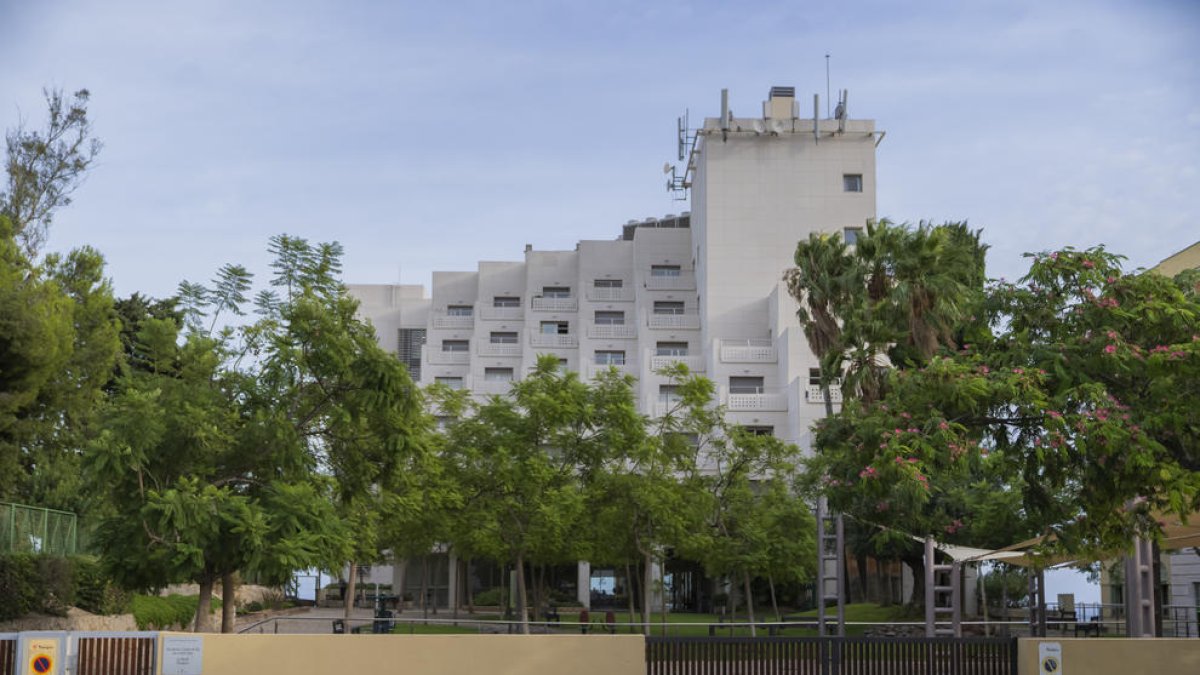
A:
<point x="556" y="291"/>
<point x="759" y="430"/>
<point x="668" y="393"/>
<point x="851" y="235"/>
<point x="455" y="383"/>
<point x="610" y="358"/>
<point x="668" y="307"/>
<point x="745" y="385"/>
<point x="503" y="338"/>
<point x="460" y="310"/>
<point x="456" y="345"/>
<point x="498" y="374"/>
<point x="671" y="349"/>
<point x="555" y="328"/>
<point x="564" y="365"/>
<point x="506" y="301"/>
<point x="852" y="182"/>
<point x="665" y="270"/>
<point x="608" y="283"/>
<point x="610" y="318"/>
<point x="409" y="350"/>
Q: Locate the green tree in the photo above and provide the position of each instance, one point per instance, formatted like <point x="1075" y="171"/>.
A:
<point x="45" y="167"/>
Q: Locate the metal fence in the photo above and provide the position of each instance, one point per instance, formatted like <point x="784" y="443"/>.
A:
<point x="830" y="656"/>
<point x="32" y="529"/>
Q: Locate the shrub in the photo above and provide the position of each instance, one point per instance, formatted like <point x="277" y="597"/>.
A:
<point x="155" y="612"/>
<point x="95" y="592"/>
<point x="490" y="597"/>
<point x="21" y="590"/>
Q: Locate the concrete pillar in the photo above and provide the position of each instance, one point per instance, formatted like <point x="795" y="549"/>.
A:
<point x="398" y="568"/>
<point x="583" y="583"/>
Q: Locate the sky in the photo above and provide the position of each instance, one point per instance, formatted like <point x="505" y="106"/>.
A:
<point x="428" y="136"/>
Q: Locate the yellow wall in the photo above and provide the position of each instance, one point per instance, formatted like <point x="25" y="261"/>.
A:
<point x="1117" y="656"/>
<point x="426" y="654"/>
<point x="1188" y="258"/>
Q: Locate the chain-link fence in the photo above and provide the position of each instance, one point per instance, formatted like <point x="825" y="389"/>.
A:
<point x="30" y="529"/>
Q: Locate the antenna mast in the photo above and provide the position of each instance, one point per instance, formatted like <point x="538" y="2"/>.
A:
<point x="827" y="90"/>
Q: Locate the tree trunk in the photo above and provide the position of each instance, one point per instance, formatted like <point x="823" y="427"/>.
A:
<point x="348" y="601"/>
<point x="774" y="602"/>
<point x="749" y="602"/>
<point x="204" y="606"/>
<point x="425" y="586"/>
<point x="522" y="614"/>
<point x="863" y="582"/>
<point x="663" y="598"/>
<point x="228" y="603"/>
<point x="629" y="593"/>
<point x="647" y="594"/>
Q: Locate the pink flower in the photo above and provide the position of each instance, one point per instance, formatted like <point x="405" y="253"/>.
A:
<point x="1110" y="349"/>
<point x="1055" y="414"/>
<point x="1089" y="264"/>
<point x="943" y="426"/>
<point x="1019" y="371"/>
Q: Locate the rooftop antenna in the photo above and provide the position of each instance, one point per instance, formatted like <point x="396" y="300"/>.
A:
<point x="827" y="90"/>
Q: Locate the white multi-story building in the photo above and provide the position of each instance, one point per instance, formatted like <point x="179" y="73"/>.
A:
<point x="704" y="287"/>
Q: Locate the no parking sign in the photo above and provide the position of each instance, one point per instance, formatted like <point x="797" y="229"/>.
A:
<point x="41" y="653"/>
<point x="1050" y="658"/>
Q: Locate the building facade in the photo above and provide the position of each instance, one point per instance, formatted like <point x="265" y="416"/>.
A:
<point x="704" y="287"/>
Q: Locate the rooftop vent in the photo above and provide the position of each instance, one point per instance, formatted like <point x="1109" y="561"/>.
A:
<point x="782" y="92"/>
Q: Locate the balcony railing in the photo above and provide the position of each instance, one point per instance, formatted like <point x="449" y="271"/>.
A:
<point x="685" y="281"/>
<point x="813" y="394"/>
<point x="499" y="349"/>
<point x="610" y="294"/>
<point x="748" y="351"/>
<point x="606" y="331"/>
<point x="501" y="313"/>
<point x="689" y="321"/>
<point x="541" y="304"/>
<point x="694" y="363"/>
<point x="767" y="401"/>
<point x="449" y="358"/>
<point x="453" y="321"/>
<point x="553" y="341"/>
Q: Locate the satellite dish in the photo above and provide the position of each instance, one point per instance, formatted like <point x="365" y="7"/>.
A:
<point x="777" y="127"/>
<point x="758" y="127"/>
<point x="666" y="168"/>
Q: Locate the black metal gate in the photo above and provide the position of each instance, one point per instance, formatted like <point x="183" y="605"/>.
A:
<point x="830" y="656"/>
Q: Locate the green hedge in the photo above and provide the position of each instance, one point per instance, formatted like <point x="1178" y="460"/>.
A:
<point x="50" y="584"/>
<point x="156" y="612"/>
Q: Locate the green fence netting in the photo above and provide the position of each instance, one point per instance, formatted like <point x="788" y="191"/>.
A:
<point x="31" y="529"/>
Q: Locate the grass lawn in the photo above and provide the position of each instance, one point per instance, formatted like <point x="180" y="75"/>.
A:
<point x="678" y="624"/>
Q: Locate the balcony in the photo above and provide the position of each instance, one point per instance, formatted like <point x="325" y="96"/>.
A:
<point x="541" y="304"/>
<point x="491" y="387"/>
<point x="448" y="358"/>
<point x="766" y="401"/>
<point x="694" y="363"/>
<point x="605" y="331"/>
<point x="553" y="341"/>
<point x="690" y="321"/>
<point x="813" y="394"/>
<point x="684" y="281"/>
<point x="748" y="351"/>
<point x="499" y="349"/>
<point x="453" y="321"/>
<point x="501" y="313"/>
<point x="610" y="294"/>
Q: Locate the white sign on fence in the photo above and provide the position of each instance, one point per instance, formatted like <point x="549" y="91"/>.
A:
<point x="1050" y="658"/>
<point x="182" y="655"/>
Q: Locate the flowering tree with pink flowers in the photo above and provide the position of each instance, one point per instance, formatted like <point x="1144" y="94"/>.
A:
<point x="1074" y="395"/>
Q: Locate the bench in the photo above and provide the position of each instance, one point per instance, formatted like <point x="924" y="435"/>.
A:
<point x="1094" y="627"/>
<point x="551" y="614"/>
